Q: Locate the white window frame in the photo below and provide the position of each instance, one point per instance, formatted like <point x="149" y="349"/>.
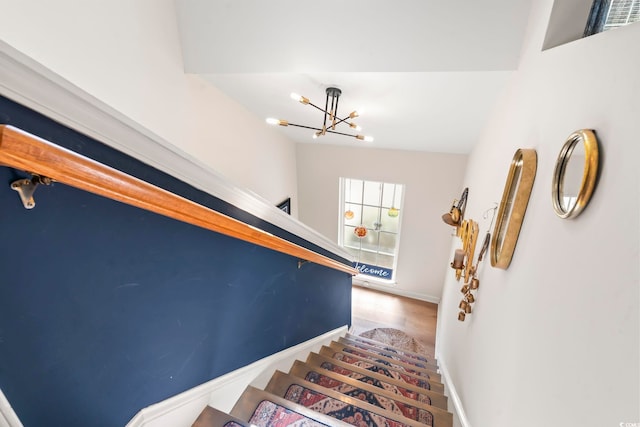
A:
<point x="568" y="20"/>
<point x="341" y="227"/>
<point x="602" y="12"/>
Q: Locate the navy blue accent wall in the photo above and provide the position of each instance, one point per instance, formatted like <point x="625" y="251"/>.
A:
<point x="36" y="124"/>
<point x="106" y="308"/>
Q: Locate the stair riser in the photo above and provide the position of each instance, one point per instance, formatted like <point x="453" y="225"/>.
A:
<point x="340" y="383"/>
<point x="212" y="417"/>
<point x="430" y="365"/>
<point x="395" y="364"/>
<point x="437" y="399"/>
<point x="411" y="379"/>
<point x="345" y="407"/>
<point x="250" y="402"/>
<point x="353" y="381"/>
<point x="378" y="344"/>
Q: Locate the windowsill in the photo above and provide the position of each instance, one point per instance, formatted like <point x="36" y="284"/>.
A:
<point x="566" y="23"/>
<point x="364" y="280"/>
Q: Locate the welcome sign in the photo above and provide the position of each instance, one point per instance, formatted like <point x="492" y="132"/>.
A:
<point x="374" y="270"/>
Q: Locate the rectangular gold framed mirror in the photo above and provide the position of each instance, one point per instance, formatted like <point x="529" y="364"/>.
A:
<point x="513" y="206"/>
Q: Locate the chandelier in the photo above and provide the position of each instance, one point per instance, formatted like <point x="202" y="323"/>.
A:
<point x="331" y="118"/>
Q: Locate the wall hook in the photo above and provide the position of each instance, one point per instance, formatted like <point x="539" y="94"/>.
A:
<point x="26" y="187"/>
<point x="486" y="213"/>
<point x="301" y="262"/>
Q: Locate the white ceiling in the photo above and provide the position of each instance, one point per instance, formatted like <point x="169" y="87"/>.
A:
<point x="424" y="73"/>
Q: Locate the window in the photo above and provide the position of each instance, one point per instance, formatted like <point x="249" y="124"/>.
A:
<point x="369" y="225"/>
<point x="572" y="20"/>
<point x="608" y="14"/>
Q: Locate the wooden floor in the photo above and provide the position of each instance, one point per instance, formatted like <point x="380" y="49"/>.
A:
<point x="372" y="309"/>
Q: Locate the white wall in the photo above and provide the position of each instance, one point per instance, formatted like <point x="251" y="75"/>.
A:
<point x="554" y="339"/>
<point x="127" y="54"/>
<point x="432" y="182"/>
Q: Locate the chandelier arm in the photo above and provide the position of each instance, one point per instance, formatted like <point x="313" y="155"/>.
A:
<point x="343" y="121"/>
<point x="334" y="113"/>
<point x="326" y="107"/>
<point x="328" y="131"/>
<point x="306" y="127"/>
<point x="340" y="133"/>
<point x="318" y="108"/>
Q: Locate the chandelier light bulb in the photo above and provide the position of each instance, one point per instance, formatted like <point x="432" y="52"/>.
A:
<point x="273" y="121"/>
<point x="353" y="114"/>
<point x="355" y="126"/>
<point x="299" y="98"/>
<point x="364" y="138"/>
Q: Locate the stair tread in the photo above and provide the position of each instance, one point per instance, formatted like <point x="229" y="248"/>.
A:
<point x="428" y="365"/>
<point x="353" y="380"/>
<point x="393" y="363"/>
<point x="382" y="368"/>
<point x="382" y="344"/>
<point x="261" y="409"/>
<point x="344" y="407"/>
<point x="429" y="368"/>
<point x="211" y="417"/>
<point x="361" y="390"/>
<point x="367" y="379"/>
<point x="424" y="358"/>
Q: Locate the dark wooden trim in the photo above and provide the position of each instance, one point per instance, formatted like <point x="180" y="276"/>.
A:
<point x="24" y="151"/>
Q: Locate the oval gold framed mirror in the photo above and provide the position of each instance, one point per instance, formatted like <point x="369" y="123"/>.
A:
<point x="513" y="206"/>
<point x="574" y="177"/>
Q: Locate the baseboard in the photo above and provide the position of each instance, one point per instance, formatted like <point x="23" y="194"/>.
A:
<point x="395" y="291"/>
<point x="451" y="391"/>
<point x="8" y="417"/>
<point x="222" y="392"/>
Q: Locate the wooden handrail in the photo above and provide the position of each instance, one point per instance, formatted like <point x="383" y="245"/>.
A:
<point x="27" y="152"/>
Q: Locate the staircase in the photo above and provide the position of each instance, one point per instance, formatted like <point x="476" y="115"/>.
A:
<point x="353" y="381"/>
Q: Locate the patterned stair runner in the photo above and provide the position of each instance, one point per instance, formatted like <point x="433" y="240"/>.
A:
<point x="382" y="368"/>
<point x="315" y="361"/>
<point x="260" y="408"/>
<point x="353" y="381"/>
<point x="392" y="362"/>
<point x="354" y="411"/>
<point x="396" y="403"/>
<point x="397" y="355"/>
<point x="388" y="347"/>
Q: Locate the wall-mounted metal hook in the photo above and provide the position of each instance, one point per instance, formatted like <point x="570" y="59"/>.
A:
<point x="26" y="187"/>
<point x="485" y="214"/>
<point x="301" y="262"/>
<point x="487" y="237"/>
